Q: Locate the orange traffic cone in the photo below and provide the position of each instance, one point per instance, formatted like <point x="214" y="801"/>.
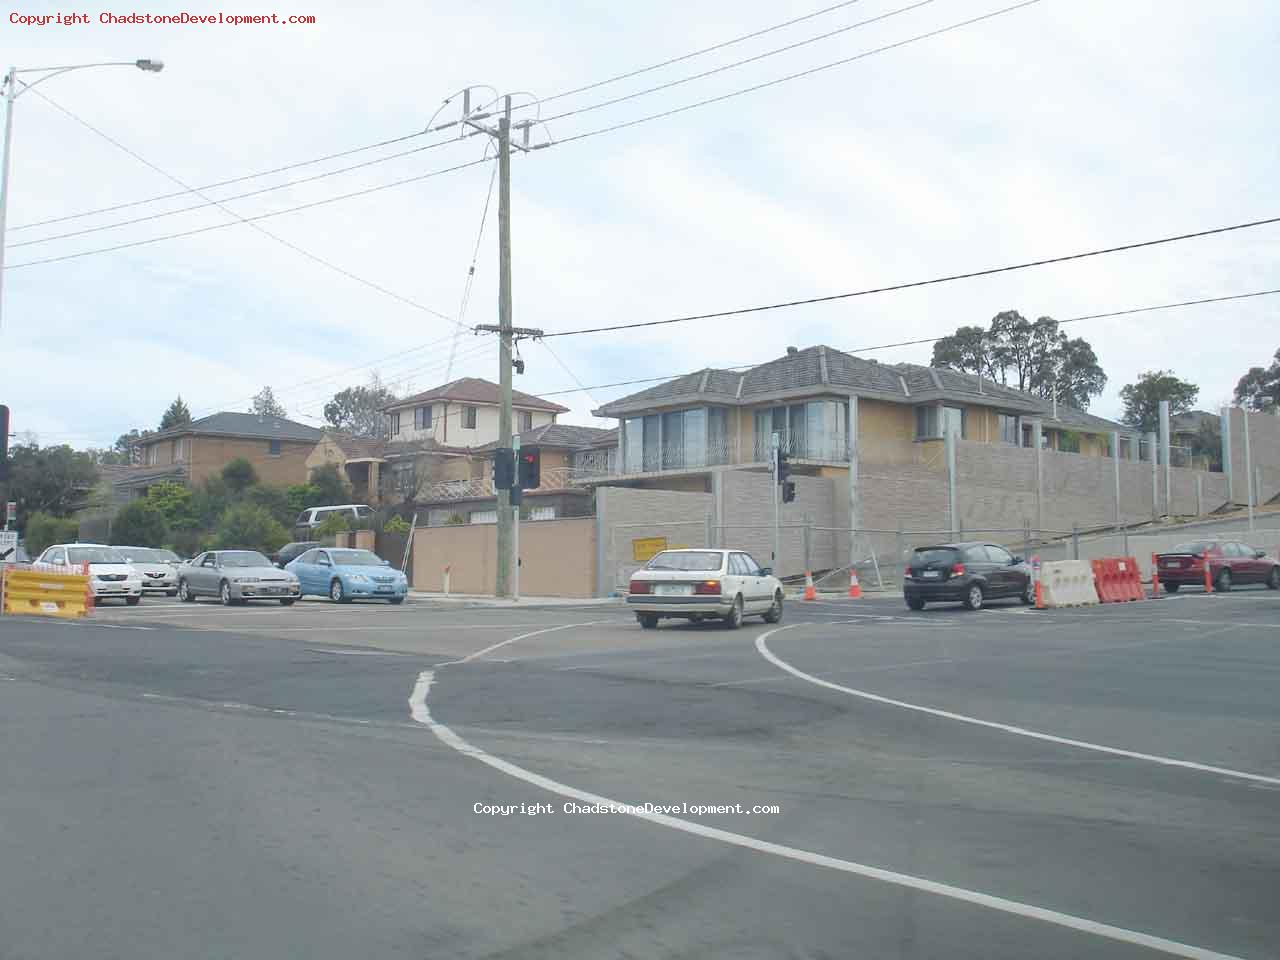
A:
<point x="810" y="593"/>
<point x="855" y="591"/>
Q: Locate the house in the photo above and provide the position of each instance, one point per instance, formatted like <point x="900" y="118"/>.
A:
<point x="392" y="471"/>
<point x="673" y="435"/>
<point x="464" y="413"/>
<point x="277" y="448"/>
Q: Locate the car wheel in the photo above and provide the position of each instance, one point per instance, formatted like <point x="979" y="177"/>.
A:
<point x="733" y="619"/>
<point x="225" y="592"/>
<point x="1223" y="583"/>
<point x="1028" y="596"/>
<point x="1171" y="587"/>
<point x="336" y="593"/>
<point x="287" y="601"/>
<point x="973" y="599"/>
<point x="647" y="620"/>
<point x="1273" y="581"/>
<point x="915" y="603"/>
<point x="184" y="592"/>
<point x="774" y="613"/>
<point x="133" y="601"/>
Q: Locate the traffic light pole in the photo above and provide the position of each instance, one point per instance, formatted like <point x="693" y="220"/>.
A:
<point x="777" y="486"/>
<point x="515" y="527"/>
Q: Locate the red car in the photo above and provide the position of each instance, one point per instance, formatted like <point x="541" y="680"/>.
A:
<point x="1229" y="562"/>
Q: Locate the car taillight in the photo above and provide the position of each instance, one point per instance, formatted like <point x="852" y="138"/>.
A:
<point x="907" y="571"/>
<point x="639" y="586"/>
<point x="707" y="587"/>
<point x="957" y="569"/>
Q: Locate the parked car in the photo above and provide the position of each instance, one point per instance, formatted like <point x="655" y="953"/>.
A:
<point x="1230" y="562"/>
<point x="971" y="573"/>
<point x="110" y="574"/>
<point x="291" y="551"/>
<point x="344" y="575"/>
<point x="158" y="568"/>
<point x="704" y="584"/>
<point x="236" y="577"/>
<point x="312" y="517"/>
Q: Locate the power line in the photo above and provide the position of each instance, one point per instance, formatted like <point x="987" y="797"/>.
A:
<point x="990" y="271"/>
<point x="583" y="389"/>
<point x="471" y="271"/>
<point x="912" y="343"/>
<point x="803" y="73"/>
<point x="261" y="216"/>
<point x="740" y="63"/>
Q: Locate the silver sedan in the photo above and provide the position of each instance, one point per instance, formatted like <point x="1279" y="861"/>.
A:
<point x="236" y="577"/>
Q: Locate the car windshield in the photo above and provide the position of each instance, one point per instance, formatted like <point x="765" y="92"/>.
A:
<point x="1194" y="546"/>
<point x="933" y="555"/>
<point x="686" y="560"/>
<point x="356" y="558"/>
<point x="149" y="555"/>
<point x="243" y="558"/>
<point x="95" y="555"/>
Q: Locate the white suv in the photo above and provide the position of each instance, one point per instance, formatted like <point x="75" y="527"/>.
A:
<point x="704" y="584"/>
<point x="312" y="517"/>
<point x="110" y="574"/>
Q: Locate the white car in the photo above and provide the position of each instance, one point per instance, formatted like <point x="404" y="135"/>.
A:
<point x="158" y="568"/>
<point x="704" y="584"/>
<point x="110" y="574"/>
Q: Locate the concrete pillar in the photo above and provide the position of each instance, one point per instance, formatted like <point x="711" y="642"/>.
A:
<point x="1168" y="458"/>
<point x="854" y="504"/>
<point x="949" y="439"/>
<point x="1037" y="434"/>
<point x="1226" y="451"/>
<point x="1154" y="455"/>
<point x="603" y="578"/>
<point x="1115" y="463"/>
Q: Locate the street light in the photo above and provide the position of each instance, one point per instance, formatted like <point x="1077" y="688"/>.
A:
<point x="11" y="93"/>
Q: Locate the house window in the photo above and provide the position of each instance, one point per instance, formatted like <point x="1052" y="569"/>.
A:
<point x="179" y="450"/>
<point x="927" y="423"/>
<point x="816" y="430"/>
<point x="469" y="419"/>
<point x="1068" y="441"/>
<point x="395" y="423"/>
<point x="273" y="448"/>
<point x="1008" y="426"/>
<point x="402" y="476"/>
<point x="484" y="516"/>
<point x="422" y="418"/>
<point x="524" y="421"/>
<point x="153" y="454"/>
<point x="542" y="513"/>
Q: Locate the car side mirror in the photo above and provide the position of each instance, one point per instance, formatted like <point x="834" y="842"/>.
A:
<point x="1015" y="560"/>
<point x="766" y="571"/>
<point x="1259" y="554"/>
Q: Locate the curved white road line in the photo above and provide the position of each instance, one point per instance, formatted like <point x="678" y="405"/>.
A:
<point x="422" y="714"/>
<point x="778" y="662"/>
<point x="524" y="636"/>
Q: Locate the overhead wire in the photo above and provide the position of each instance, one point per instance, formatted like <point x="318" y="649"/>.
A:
<point x="471" y="271"/>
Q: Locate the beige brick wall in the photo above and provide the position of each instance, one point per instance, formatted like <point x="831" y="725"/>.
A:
<point x="210" y="454"/>
<point x="557" y="558"/>
<point x="745" y="518"/>
<point x="1264" y="448"/>
<point x="628" y="513"/>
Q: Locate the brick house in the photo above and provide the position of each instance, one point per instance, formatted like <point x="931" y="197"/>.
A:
<point x="277" y="448"/>
<point x="464" y="413"/>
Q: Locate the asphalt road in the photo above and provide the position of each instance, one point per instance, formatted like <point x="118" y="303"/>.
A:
<point x="266" y="782"/>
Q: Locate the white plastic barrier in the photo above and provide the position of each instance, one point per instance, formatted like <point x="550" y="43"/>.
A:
<point x="1067" y="583"/>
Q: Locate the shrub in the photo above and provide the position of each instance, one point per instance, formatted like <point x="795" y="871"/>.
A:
<point x="175" y="502"/>
<point x="275" y="501"/>
<point x="209" y="502"/>
<point x="239" y="475"/>
<point x="397" y="524"/>
<point x="187" y="543"/>
<point x="333" y="524"/>
<point x="140" y="523"/>
<point x="456" y="520"/>
<point x="328" y="479"/>
<point x="302" y="495"/>
<point x="42" y="530"/>
<point x="247" y="526"/>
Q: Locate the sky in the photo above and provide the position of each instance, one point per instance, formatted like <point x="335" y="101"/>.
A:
<point x="1060" y="127"/>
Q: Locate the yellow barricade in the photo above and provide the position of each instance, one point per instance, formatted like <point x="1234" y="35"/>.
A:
<point x="40" y="593"/>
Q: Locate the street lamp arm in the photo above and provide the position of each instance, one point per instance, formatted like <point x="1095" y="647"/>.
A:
<point x="150" y="65"/>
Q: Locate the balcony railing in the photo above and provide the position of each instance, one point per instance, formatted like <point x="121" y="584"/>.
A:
<point x="672" y="458"/>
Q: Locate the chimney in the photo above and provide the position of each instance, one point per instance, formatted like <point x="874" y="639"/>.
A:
<point x="792" y="351"/>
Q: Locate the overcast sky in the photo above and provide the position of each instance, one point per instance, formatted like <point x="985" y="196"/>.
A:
<point x="1064" y="126"/>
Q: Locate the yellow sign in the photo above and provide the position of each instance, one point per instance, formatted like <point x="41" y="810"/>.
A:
<point x="46" y="594"/>
<point x="646" y="548"/>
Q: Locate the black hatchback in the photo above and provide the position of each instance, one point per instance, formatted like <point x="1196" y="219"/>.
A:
<point x="971" y="573"/>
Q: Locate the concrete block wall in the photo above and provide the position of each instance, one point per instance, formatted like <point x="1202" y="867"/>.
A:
<point x="996" y="486"/>
<point x="627" y="513"/>
<point x="745" y="518"/>
<point x="1264" y="448"/>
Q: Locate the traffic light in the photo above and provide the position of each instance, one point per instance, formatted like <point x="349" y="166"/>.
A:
<point x="784" y="477"/>
<point x="788" y="491"/>
<point x="504" y="468"/>
<point x="528" y="470"/>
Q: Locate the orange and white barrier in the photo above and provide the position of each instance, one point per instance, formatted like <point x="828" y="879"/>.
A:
<point x="1117" y="579"/>
<point x="810" y="592"/>
<point x="1067" y="583"/>
<point x="855" y="590"/>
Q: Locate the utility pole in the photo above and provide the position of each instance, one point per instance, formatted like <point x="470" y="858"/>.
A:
<point x="776" y="447"/>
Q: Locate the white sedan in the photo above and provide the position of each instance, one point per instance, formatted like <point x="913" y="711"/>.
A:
<point x="702" y="585"/>
<point x="110" y="574"/>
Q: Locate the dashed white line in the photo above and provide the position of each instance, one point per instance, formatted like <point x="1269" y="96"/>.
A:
<point x="420" y="712"/>
<point x="763" y="647"/>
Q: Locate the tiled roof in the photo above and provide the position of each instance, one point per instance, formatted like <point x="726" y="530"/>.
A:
<point x="563" y="435"/>
<point x="240" y="425"/>
<point x="136" y="475"/>
<point x="1192" y="420"/>
<point x="476" y="390"/>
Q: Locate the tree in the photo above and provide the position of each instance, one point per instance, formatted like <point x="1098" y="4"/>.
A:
<point x="175" y="416"/>
<point x="140" y="523"/>
<point x="302" y="495"/>
<point x="1207" y="442"/>
<point x="332" y="524"/>
<point x="274" y="500"/>
<point x="332" y="485"/>
<point x="53" y="480"/>
<point x="1142" y="399"/>
<point x="1259" y="389"/>
<point x="175" y="503"/>
<point x="104" y="457"/>
<point x="358" y="410"/>
<point x="265" y="404"/>
<point x="209" y="501"/>
<point x="239" y="475"/>
<point x="247" y="526"/>
<point x="1035" y="357"/>
<point x="41" y="530"/>
<point x="126" y="445"/>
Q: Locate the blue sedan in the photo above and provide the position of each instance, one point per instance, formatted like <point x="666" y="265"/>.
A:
<point x="343" y="575"/>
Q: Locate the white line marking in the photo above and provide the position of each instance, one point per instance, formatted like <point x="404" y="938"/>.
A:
<point x="359" y="653"/>
<point x="768" y="654"/>
<point x="524" y="636"/>
<point x="421" y="713"/>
